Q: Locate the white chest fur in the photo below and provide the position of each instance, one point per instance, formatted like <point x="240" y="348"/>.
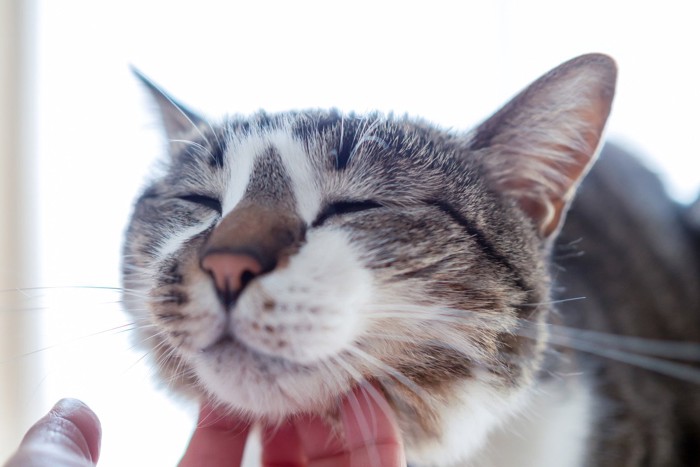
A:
<point x="551" y="431"/>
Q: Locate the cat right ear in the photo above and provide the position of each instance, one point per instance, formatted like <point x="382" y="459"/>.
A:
<point x="177" y="119"/>
<point x="538" y="147"/>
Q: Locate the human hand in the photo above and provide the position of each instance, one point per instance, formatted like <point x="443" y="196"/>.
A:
<point x="371" y="438"/>
<point x="68" y="436"/>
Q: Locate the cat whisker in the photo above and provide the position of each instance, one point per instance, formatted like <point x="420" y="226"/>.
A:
<point x="340" y="140"/>
<point x="113" y="330"/>
<point x="58" y="287"/>
<point x="387" y="370"/>
<point x="360" y="417"/>
<point x="31" y="294"/>
<point x="180" y="371"/>
<point x="101" y="308"/>
<point x="139" y="359"/>
<point x="367" y="432"/>
<point x="185" y="116"/>
<point x="161" y="361"/>
<point x="366" y="136"/>
<point x="354" y="374"/>
<point x="554" y="302"/>
<point x="213" y="132"/>
<point x="219" y="413"/>
<point x="689" y="351"/>
<point x="191" y="143"/>
<point x="637" y="351"/>
<point x="668" y="349"/>
<point x="378" y="398"/>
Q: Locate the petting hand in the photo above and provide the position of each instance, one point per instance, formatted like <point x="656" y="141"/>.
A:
<point x="371" y="439"/>
<point x="69" y="436"/>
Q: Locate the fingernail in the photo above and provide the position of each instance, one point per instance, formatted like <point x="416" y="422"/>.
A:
<point x="82" y="416"/>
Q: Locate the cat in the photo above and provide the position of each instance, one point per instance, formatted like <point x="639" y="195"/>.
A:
<point x="639" y="270"/>
<point x="275" y="262"/>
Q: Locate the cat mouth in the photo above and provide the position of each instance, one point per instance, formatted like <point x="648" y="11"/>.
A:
<point x="221" y="341"/>
<point x="269" y="387"/>
<point x="228" y="346"/>
<point x="264" y="387"/>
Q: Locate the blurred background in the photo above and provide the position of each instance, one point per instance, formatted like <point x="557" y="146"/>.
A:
<point x="77" y="136"/>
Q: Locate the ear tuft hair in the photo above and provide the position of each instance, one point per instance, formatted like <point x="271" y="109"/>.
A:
<point x="538" y="147"/>
<point x="177" y="119"/>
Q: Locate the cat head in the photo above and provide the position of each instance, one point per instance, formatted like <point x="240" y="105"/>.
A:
<point x="277" y="261"/>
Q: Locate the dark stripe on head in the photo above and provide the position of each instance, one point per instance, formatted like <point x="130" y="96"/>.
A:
<point x="340" y="128"/>
<point x="484" y="244"/>
<point x="346" y="144"/>
<point x="216" y="156"/>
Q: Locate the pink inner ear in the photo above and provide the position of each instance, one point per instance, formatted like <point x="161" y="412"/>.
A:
<point x="540" y="145"/>
<point x="547" y="213"/>
<point x="546" y="200"/>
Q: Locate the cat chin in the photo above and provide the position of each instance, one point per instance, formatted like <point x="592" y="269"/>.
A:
<point x="289" y="331"/>
<point x="263" y="387"/>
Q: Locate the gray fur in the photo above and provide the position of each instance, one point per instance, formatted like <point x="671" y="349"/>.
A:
<point x="639" y="271"/>
<point x="457" y="226"/>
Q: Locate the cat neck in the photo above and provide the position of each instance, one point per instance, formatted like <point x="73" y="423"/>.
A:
<point x="552" y="430"/>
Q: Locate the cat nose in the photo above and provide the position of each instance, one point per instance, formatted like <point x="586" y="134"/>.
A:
<point x="231" y="272"/>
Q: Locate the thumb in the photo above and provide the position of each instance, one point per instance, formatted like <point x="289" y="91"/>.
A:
<point x="68" y="436"/>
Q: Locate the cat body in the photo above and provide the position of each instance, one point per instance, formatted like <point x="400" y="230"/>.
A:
<point x="627" y="249"/>
<point x="278" y="261"/>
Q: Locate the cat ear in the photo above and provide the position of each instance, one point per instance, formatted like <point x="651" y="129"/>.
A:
<point x="177" y="119"/>
<point x="539" y="145"/>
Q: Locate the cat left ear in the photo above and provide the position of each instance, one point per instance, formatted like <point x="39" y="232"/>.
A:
<point x="177" y="119"/>
<point x="539" y="146"/>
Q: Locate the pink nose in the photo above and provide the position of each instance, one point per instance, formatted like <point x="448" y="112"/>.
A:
<point x="231" y="272"/>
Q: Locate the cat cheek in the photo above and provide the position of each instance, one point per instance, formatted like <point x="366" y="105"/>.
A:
<point x="208" y="321"/>
<point x="202" y="322"/>
<point x="296" y="331"/>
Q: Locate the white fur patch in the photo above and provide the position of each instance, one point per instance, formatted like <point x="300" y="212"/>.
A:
<point x="173" y="241"/>
<point x="467" y="425"/>
<point x="241" y="155"/>
<point x="296" y="162"/>
<point x="308" y="310"/>
<point x="314" y="305"/>
<point x="552" y="431"/>
<point x="301" y="172"/>
<point x="544" y="427"/>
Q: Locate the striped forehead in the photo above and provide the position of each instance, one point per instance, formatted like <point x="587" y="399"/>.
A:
<point x="255" y="161"/>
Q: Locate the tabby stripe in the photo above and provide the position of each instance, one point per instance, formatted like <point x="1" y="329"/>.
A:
<point x="486" y="246"/>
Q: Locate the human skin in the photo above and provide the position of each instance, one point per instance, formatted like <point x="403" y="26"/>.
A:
<point x="69" y="436"/>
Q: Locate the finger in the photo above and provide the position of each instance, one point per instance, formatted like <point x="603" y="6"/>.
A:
<point x="217" y="441"/>
<point x="281" y="447"/>
<point x="319" y="441"/>
<point x="69" y="435"/>
<point x="370" y="435"/>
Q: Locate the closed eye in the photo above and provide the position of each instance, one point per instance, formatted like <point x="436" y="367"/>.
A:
<point x="203" y="200"/>
<point x="344" y="207"/>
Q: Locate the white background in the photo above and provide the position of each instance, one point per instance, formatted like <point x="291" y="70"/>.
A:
<point x="450" y="62"/>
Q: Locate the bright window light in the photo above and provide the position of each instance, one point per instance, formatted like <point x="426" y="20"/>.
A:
<point x="450" y="62"/>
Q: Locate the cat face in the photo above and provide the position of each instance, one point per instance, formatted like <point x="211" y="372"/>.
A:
<point x="278" y="261"/>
